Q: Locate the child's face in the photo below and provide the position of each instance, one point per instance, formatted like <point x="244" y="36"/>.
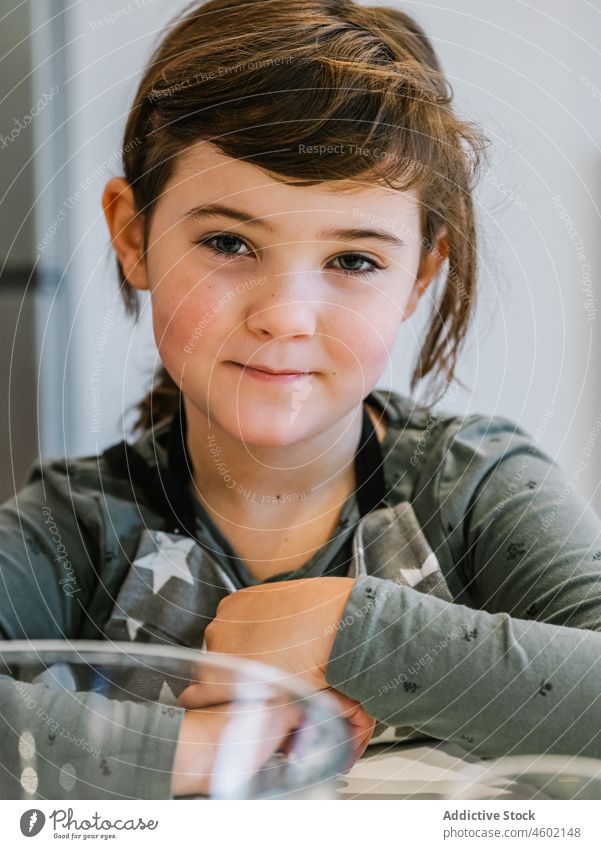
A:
<point x="273" y="287"/>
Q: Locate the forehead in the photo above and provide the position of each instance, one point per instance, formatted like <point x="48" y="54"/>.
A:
<point x="203" y="174"/>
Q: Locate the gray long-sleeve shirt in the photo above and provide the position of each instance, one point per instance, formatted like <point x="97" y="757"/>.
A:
<point x="508" y="666"/>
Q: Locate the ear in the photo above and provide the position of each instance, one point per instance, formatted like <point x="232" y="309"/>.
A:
<point x="126" y="229"/>
<point x="430" y="265"/>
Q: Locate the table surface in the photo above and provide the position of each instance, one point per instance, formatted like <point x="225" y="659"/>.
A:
<point x="436" y="769"/>
<point x="419" y="770"/>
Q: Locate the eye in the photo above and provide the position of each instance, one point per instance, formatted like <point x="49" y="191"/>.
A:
<point x="354" y="259"/>
<point x="224" y="244"/>
<point x="228" y="245"/>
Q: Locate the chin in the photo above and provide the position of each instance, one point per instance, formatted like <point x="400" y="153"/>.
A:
<point x="265" y="424"/>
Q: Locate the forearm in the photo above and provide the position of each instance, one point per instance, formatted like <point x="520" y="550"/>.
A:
<point x="489" y="682"/>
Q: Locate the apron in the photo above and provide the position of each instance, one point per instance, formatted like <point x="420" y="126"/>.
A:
<point x="174" y="585"/>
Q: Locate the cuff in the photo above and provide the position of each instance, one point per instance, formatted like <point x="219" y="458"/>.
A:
<point x="360" y="644"/>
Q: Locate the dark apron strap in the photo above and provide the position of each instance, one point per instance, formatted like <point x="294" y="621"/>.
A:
<point x="169" y="494"/>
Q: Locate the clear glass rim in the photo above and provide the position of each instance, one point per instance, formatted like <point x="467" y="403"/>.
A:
<point x="322" y="705"/>
<point x="105" y="652"/>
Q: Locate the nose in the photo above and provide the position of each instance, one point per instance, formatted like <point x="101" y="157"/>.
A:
<point x="282" y="306"/>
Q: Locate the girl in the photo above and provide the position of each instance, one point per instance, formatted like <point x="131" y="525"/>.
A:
<point x="295" y="179"/>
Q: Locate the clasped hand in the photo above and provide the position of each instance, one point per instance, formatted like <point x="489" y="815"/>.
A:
<point x="289" y="625"/>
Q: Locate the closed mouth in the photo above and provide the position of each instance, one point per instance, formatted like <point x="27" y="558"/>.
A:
<point x="271" y="371"/>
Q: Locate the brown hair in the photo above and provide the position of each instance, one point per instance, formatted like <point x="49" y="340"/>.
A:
<point x="265" y="80"/>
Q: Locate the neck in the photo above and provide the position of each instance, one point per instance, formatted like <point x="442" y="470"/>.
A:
<point x="231" y="479"/>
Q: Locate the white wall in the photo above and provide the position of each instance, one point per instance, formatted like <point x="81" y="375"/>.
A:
<point x="517" y="69"/>
<point x="107" y="360"/>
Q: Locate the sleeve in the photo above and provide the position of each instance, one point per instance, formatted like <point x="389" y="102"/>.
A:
<point x="518" y="669"/>
<point x="51" y="538"/>
<point x="62" y="744"/>
<point x="72" y="745"/>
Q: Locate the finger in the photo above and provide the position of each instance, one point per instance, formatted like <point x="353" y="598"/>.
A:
<point x="360" y="725"/>
<point x="364" y="738"/>
<point x="249" y="740"/>
<point x="205" y="694"/>
<point x="359" y="739"/>
<point x="279" y="724"/>
<point x="347" y="706"/>
<point x="353" y="712"/>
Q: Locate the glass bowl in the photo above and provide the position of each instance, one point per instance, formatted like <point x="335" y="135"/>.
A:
<point x="96" y="720"/>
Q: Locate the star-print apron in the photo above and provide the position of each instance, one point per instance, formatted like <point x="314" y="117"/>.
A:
<point x="174" y="586"/>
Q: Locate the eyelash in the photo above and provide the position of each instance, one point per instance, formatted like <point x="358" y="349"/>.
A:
<point x="206" y="242"/>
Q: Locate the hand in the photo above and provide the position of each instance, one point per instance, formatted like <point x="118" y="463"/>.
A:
<point x="290" y="625"/>
<point x="206" y="701"/>
<point x="253" y="732"/>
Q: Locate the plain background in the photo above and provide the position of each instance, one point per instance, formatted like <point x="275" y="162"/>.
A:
<point x="529" y="73"/>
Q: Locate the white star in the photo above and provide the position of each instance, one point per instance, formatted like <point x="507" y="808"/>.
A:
<point x="166" y="696"/>
<point x="133" y="626"/>
<point x="169" y="561"/>
<point x="414" y="576"/>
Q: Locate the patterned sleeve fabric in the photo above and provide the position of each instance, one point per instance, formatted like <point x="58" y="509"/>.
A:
<point x="64" y="745"/>
<point x="55" y="743"/>
<point x="512" y="665"/>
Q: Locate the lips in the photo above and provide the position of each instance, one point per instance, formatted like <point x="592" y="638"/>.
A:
<point x="277" y="377"/>
<point x="268" y="370"/>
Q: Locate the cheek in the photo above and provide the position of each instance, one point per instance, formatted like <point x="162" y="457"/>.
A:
<point x="169" y="318"/>
<point x="180" y="292"/>
<point x="183" y="313"/>
<point x="363" y="337"/>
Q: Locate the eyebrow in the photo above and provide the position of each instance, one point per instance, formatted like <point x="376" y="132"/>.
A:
<point x="348" y="234"/>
